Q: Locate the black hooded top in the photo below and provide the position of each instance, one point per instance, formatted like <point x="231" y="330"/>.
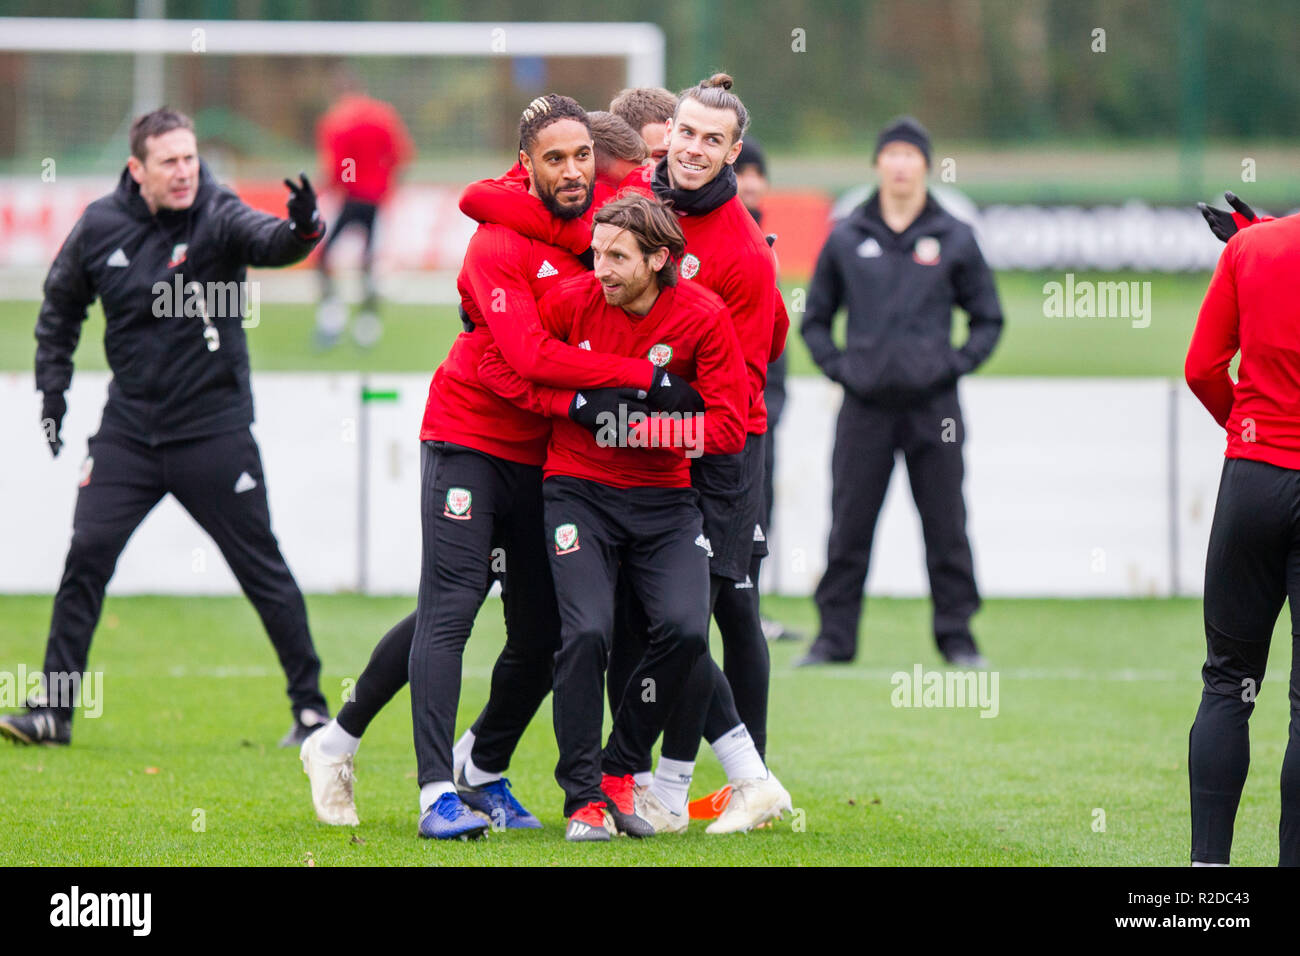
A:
<point x="169" y="383"/>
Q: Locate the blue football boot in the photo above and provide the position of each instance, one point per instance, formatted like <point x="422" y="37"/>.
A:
<point x="495" y="801"/>
<point x="450" y="819"/>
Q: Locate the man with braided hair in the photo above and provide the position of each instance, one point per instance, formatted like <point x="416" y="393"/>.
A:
<point x="481" y="490"/>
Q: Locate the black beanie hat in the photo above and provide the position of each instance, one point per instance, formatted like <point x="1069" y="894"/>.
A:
<point x="751" y="154"/>
<point x="905" y="129"/>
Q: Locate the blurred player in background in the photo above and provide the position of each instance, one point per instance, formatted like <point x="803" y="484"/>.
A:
<point x="647" y="109"/>
<point x="362" y="145"/>
<point x="1253" y="562"/>
<point x="899" y="263"/>
<point x="752" y="186"/>
<point x="179" y="403"/>
<point x="620" y="151"/>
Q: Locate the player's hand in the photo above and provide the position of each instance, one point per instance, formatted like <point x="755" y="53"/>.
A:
<point x="1225" y="224"/>
<point x="53" y="408"/>
<point x="597" y="408"/>
<point x="672" y="393"/>
<point x="834" y="368"/>
<point x="302" y="208"/>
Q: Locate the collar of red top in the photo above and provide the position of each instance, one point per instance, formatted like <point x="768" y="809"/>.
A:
<point x="694" y="202"/>
<point x="659" y="311"/>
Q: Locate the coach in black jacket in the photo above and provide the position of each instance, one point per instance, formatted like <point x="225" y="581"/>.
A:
<point x="167" y="253"/>
<point x="899" y="263"/>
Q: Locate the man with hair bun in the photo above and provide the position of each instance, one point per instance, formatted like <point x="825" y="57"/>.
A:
<point x="620" y="509"/>
<point x="726" y="252"/>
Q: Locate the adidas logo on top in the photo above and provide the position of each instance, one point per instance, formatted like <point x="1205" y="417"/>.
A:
<point x="585" y="344"/>
<point x="118" y="259"/>
<point x="547" y="270"/>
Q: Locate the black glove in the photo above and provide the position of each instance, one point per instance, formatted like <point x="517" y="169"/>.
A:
<point x="302" y="209"/>
<point x="672" y="393"/>
<point x="1222" y="223"/>
<point x="590" y="407"/>
<point x="466" y="322"/>
<point x="53" y="409"/>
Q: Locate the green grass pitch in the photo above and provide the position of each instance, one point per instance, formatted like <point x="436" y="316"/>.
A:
<point x="416" y="338"/>
<point x="1095" y="702"/>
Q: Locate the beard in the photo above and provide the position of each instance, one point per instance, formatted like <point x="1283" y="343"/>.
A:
<point x="559" y="211"/>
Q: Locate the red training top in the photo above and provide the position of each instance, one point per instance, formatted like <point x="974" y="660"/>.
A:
<point x="1251" y="305"/>
<point x="362" y="143"/>
<point x="725" y="252"/>
<point x="687" y="332"/>
<point x="501" y="279"/>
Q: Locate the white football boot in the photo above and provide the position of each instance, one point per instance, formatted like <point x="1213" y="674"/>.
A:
<point x="366" y="330"/>
<point x="754" y="801"/>
<point x="656" y="813"/>
<point x="331" y="784"/>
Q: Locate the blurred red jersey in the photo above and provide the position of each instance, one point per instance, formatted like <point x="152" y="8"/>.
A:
<point x="1251" y="306"/>
<point x="363" y="142"/>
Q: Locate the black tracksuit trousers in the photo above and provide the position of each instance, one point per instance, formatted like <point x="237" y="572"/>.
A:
<point x="471" y="505"/>
<point x="930" y="434"/>
<point x="1252" y="566"/>
<point x="501" y="532"/>
<point x="716" y="699"/>
<point x="218" y="479"/>
<point x="652" y="538"/>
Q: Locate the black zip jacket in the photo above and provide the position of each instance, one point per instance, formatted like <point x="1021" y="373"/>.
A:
<point x="168" y="384"/>
<point x="900" y="290"/>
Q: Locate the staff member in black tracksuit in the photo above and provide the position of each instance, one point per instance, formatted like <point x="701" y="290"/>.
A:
<point x="179" y="404"/>
<point x="899" y="263"/>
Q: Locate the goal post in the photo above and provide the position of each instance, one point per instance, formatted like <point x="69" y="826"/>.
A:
<point x="82" y="79"/>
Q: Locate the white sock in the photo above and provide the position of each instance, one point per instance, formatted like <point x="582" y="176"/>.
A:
<point x="460" y="752"/>
<point x="736" y="752"/>
<point x="476" y="777"/>
<point x="430" y="793"/>
<point x="643" y="778"/>
<point x="1199" y="863"/>
<point x="672" y="783"/>
<point x="335" y="741"/>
